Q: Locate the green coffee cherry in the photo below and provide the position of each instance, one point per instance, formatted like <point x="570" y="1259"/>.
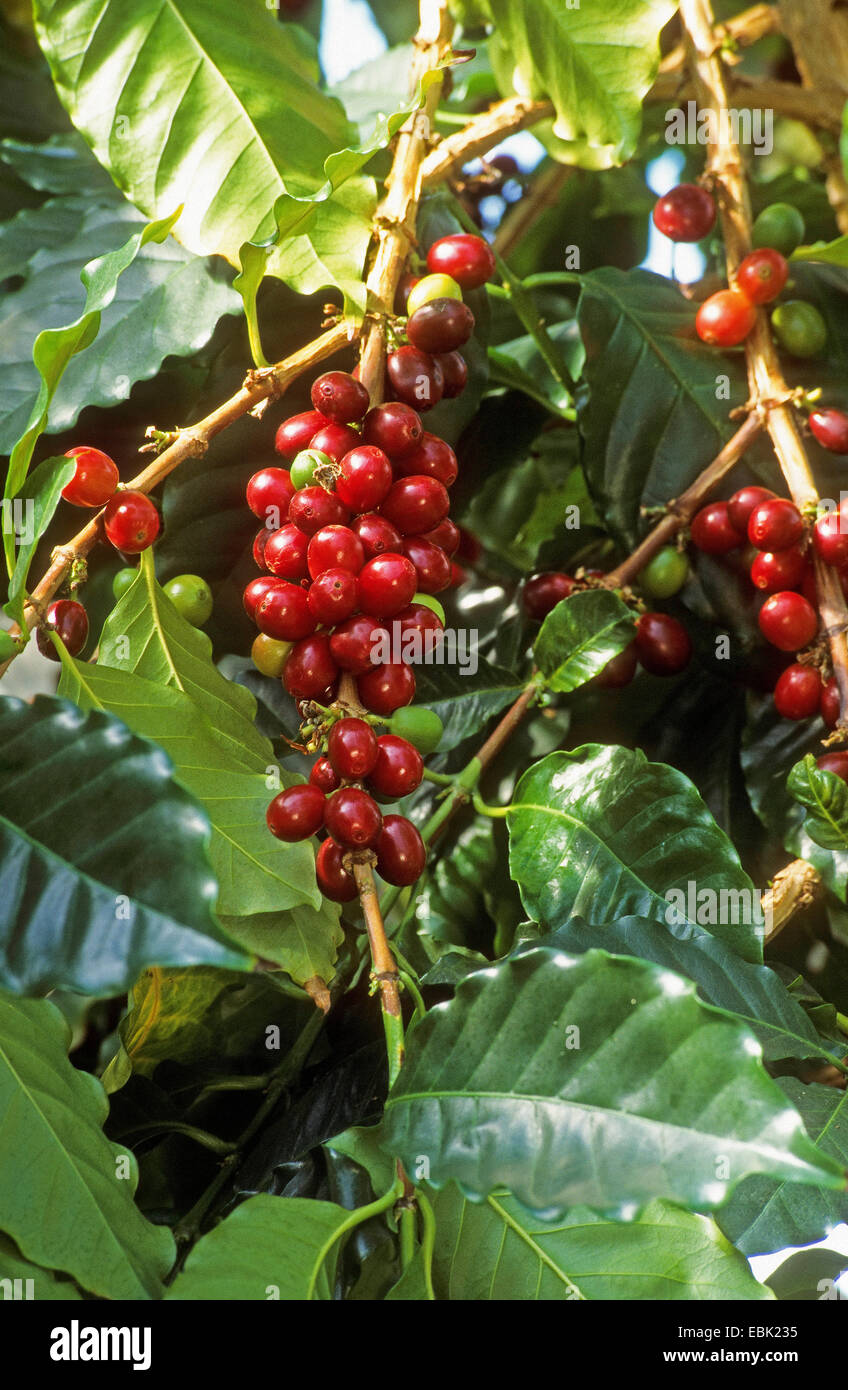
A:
<point x="419" y="726"/>
<point x="779" y="226"/>
<point x="122" y="581"/>
<point x="800" y="328"/>
<point x="304" y="465"/>
<point x="432" y="287"/>
<point x="665" y="573"/>
<point x="268" y="655"/>
<point x="191" y="596"/>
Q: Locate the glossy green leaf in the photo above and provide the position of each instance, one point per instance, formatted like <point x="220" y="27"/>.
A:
<point x="763" y="1215"/>
<point x="268" y="1248"/>
<point x="808" y="1276"/>
<point x="498" y="1251"/>
<point x="601" y="833"/>
<point x="464" y="701"/>
<point x="595" y="61"/>
<point x="89" y="815"/>
<point x="44" y="1284"/>
<point x="304" y="939"/>
<point x="580" y="636"/>
<point x="40" y="494"/>
<point x="825" y="797"/>
<point x="607" y="1083"/>
<point x="60" y="164"/>
<point x="67" y="1193"/>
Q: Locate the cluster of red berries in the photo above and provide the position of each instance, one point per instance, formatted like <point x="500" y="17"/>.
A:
<point x="357" y="538"/>
<point x="661" y="643"/>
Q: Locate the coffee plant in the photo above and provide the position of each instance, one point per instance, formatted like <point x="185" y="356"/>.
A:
<point x="428" y="879"/>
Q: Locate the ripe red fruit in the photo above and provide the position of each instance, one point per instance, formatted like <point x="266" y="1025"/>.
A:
<point x="421" y="620"/>
<point x="295" y="433"/>
<point x="620" y="670"/>
<point x="398" y="767"/>
<point x="353" y="818"/>
<point x="313" y="508"/>
<point x="297" y="813"/>
<point x="364" y="478"/>
<point x="725" y="319"/>
<point x="70" y="620"/>
<point x="432" y="459"/>
<point x="334" y="440"/>
<point x="309" y="668"/>
<point x="830" y="538"/>
<point x="776" y="570"/>
<point x="788" y="621"/>
<point x="440" y="325"/>
<point x="743" y="502"/>
<point x="394" y="427"/>
<point x="686" y="213"/>
<point x="386" y="687"/>
<point x="836" y="763"/>
<point x="333" y="596"/>
<point x="131" y="521"/>
<point x="284" y="552"/>
<point x="352" y="643"/>
<point x="324" y="776"/>
<point x="340" y="397"/>
<point x="662" y="644"/>
<point x="416" y="377"/>
<point x="830" y="703"/>
<point x="94" y="480"/>
<point x="270" y="489"/>
<point x="256" y="591"/>
<point x="468" y="259"/>
<point x="284" y="613"/>
<point x="333" y="878"/>
<point x="401" y="853"/>
<point x="406" y="284"/>
<point x="775" y="524"/>
<point x="543" y="592"/>
<point x="454" y="373"/>
<point x="352" y="748"/>
<point x="797" y="694"/>
<point x="386" y="585"/>
<point x="376" y="533"/>
<point x="712" y="530"/>
<point x="446" y="535"/>
<point x="335" y="547"/>
<point x="762" y="275"/>
<point x="432" y="565"/>
<point x="416" y="504"/>
<point x="830" y="428"/>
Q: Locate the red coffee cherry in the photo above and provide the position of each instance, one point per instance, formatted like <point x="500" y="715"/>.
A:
<point x="285" y="552"/>
<point x="95" y="478"/>
<point x="775" y="525"/>
<point x="386" y="687"/>
<point x="340" y="397"/>
<point x="260" y="540"/>
<point x="743" y="502"/>
<point x="297" y="813"/>
<point x="830" y="538"/>
<point x="352" y="749"/>
<point x="333" y="878"/>
<point x="446" y="535"/>
<point x="324" y="776"/>
<point x="70" y="620"/>
<point x="762" y="275"/>
<point x="284" y="614"/>
<point x="432" y="565"/>
<point x="353" y="641"/>
<point x="543" y="592"/>
<point x="712" y="530"/>
<point x="313" y="508"/>
<point x="830" y="428"/>
<point x="454" y="373"/>
<point x="310" y="668"/>
<point x="131" y="521"/>
<point x="364" y="478"/>
<point x="335" y="440"/>
<point x="776" y="570"/>
<point x="788" y="621"/>
<point x="334" y="547"/>
<point x="662" y="644"/>
<point x="837" y="763"/>
<point x="469" y="260"/>
<point x="269" y="489"/>
<point x="256" y="591"/>
<point x="798" y="692"/>
<point x="620" y="670"/>
<point x="353" y="818"/>
<point x="386" y="585"/>
<point x="295" y="433"/>
<point x="376" y="533"/>
<point x="333" y="596"/>
<point x="416" y="504"/>
<point x="432" y="459"/>
<point x="421" y="620"/>
<point x="401" y="853"/>
<point x="686" y="213"/>
<point x="725" y="319"/>
<point x="398" y="768"/>
<point x="830" y="703"/>
<point x="394" y="427"/>
<point x="416" y="377"/>
<point x="440" y="325"/>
